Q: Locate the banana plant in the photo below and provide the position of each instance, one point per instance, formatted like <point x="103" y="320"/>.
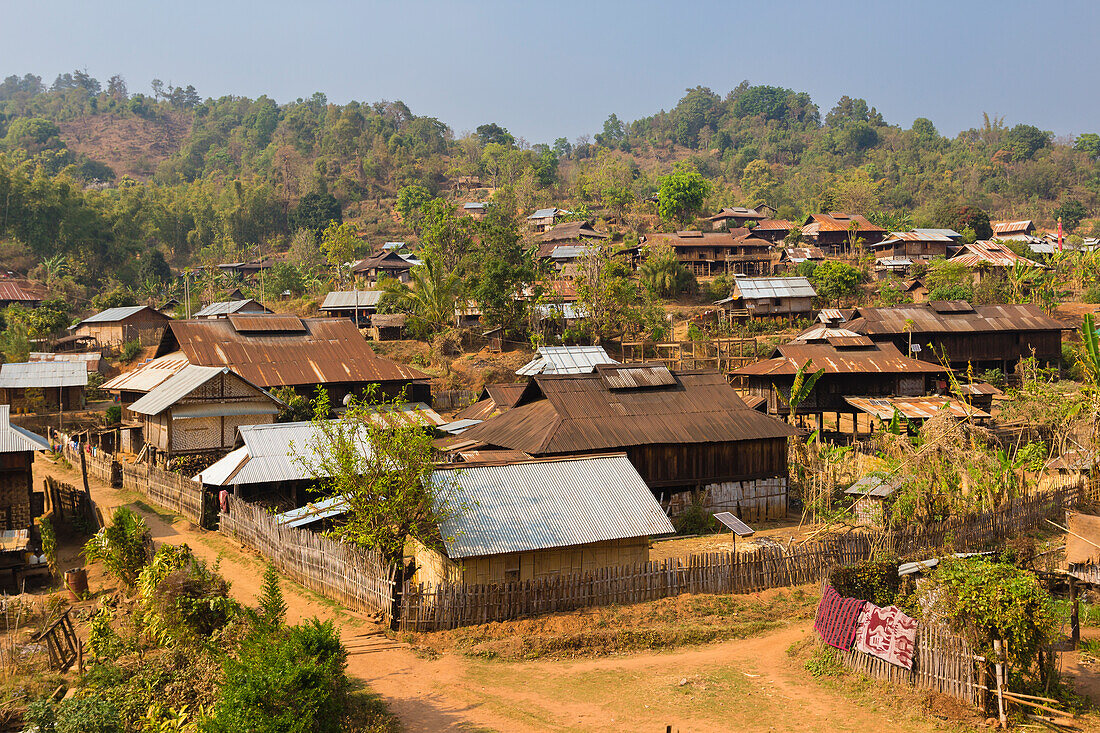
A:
<point x="801" y="388"/>
<point x="1090" y="363"/>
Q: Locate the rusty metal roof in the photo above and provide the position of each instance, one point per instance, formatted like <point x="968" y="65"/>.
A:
<point x="326" y="350"/>
<point x="914" y="408"/>
<point x="876" y="486"/>
<point x="979" y="388"/>
<point x="574" y="413"/>
<point x="838" y="222"/>
<point x="880" y="358"/>
<point x="991" y="254"/>
<point x="774" y="225"/>
<point x="919" y="235"/>
<point x="635" y="376"/>
<point x="1023" y="226"/>
<point x="148" y="375"/>
<point x="933" y="317"/>
<point x="19" y="291"/>
<point x="493" y="400"/>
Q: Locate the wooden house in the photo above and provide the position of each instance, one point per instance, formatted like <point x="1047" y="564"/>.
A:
<point x="388" y="326"/>
<point x="853" y="365"/>
<point x="769" y="297"/>
<point x="544" y="219"/>
<point x="43" y="386"/>
<point x="387" y="263"/>
<point x="16" y="291"/>
<point x="358" y="306"/>
<point x="224" y="309"/>
<point x="1020" y="230"/>
<point x="707" y="254"/>
<point x="773" y="230"/>
<point x="833" y="232"/>
<point x="684" y="432"/>
<point x="791" y="257"/>
<point x="540" y="518"/>
<point x="735" y="218"/>
<point x="576" y="232"/>
<point x="199" y="409"/>
<point x="283" y="350"/>
<point x="985" y="336"/>
<point x="475" y="210"/>
<point x="116" y="326"/>
<point x="17" y="447"/>
<point x="917" y="245"/>
<point x="988" y="257"/>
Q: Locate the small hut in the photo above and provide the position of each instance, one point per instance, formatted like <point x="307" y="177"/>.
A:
<point x="874" y="499"/>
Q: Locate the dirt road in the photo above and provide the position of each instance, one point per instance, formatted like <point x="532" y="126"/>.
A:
<point x="739" y="685"/>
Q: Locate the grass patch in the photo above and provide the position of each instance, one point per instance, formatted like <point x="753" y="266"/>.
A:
<point x="824" y="661"/>
<point x="367" y="713"/>
<point x="159" y="512"/>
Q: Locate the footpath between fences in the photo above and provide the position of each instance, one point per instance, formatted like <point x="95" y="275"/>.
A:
<point x="364" y="582"/>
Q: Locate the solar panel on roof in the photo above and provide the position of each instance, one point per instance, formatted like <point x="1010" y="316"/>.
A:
<point x="736" y="525"/>
<point x="285" y="323"/>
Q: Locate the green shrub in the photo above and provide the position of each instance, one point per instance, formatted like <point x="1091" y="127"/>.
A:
<point x="113" y="416"/>
<point x="877" y="582"/>
<point x="123" y="545"/>
<point x="93" y="713"/>
<point x="129" y="351"/>
<point x="824" y="662"/>
<point x="1091" y="294"/>
<point x="183" y="598"/>
<point x="695" y="520"/>
<point x="290" y="681"/>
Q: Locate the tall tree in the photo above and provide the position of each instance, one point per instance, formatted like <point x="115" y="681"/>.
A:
<point x="682" y="194"/>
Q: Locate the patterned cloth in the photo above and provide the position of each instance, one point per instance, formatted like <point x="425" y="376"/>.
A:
<point x="888" y="634"/>
<point x="837" y="618"/>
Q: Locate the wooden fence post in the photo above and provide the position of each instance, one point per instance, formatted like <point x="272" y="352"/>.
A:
<point x="999" y="667"/>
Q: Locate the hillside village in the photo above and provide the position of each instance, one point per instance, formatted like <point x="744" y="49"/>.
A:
<point x="506" y="407"/>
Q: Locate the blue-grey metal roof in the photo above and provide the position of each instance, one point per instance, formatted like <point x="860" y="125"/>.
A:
<point x="752" y="288"/>
<point x="547" y="213"/>
<point x="569" y="251"/>
<point x="114" y="314"/>
<point x="313" y="512"/>
<point x="351" y="299"/>
<point x="271" y="453"/>
<point x="410" y="258"/>
<point x="43" y="374"/>
<point x="226" y="307"/>
<point x="566" y="360"/>
<point x="567" y="311"/>
<point x="393" y="245"/>
<point x="473" y="205"/>
<point x="14" y="439"/>
<point x="538" y="505"/>
<point x="950" y="233"/>
<point x="458" y="426"/>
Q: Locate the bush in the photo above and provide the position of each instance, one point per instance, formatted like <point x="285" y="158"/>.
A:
<point x="877" y="582"/>
<point x="93" y="713"/>
<point x="184" y="600"/>
<point x="1091" y="294"/>
<point x="130" y="351"/>
<point x="292" y="680"/>
<point x="695" y="520"/>
<point x="113" y="416"/>
<point x="124" y="545"/>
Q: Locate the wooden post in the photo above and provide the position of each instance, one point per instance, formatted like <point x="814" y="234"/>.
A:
<point x="1074" y="615"/>
<point x="999" y="666"/>
<point x="84" y="472"/>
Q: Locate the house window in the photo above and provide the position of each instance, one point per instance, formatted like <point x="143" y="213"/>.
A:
<point x="511" y="568"/>
<point x="779" y="301"/>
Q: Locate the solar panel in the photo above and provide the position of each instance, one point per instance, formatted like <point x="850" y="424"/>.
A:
<point x="739" y="528"/>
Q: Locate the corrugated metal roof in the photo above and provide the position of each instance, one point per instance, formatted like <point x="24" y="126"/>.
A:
<point x="893" y="262"/>
<point x="921" y="235"/>
<point x="473" y="205"/>
<point x="148" y="375"/>
<point x="566" y="360"/>
<point x="991" y="254"/>
<point x="801" y="254"/>
<point x="14" y="439"/>
<point x="19" y="291"/>
<point x="838" y="222"/>
<point x="547" y="213"/>
<point x="539" y="505"/>
<point x="232" y="306"/>
<point x="457" y="427"/>
<point x="979" y="388"/>
<point x="351" y="299"/>
<point x="635" y="376"/>
<point x="43" y="374"/>
<point x="774" y="225"/>
<point x="408" y="413"/>
<point x="924" y="318"/>
<point x="570" y="230"/>
<point x="190" y="378"/>
<point x="328" y="350"/>
<point x="949" y="233"/>
<point x="874" y="486"/>
<point x="1022" y="226"/>
<point x="914" y="408"/>
<point x="568" y="251"/>
<point x="754" y="288"/>
<point x="880" y="358"/>
<point x="312" y="512"/>
<point x="270" y="453"/>
<point x="88" y="359"/>
<point x="112" y="315"/>
<point x="579" y="414"/>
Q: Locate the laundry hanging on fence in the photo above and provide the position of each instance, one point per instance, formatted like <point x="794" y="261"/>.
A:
<point x="888" y="634"/>
<point x="836" y="618"/>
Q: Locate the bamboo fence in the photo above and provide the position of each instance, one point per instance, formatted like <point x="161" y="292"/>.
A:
<point x="942" y="662"/>
<point x="355" y="579"/>
<point x="171" y="490"/>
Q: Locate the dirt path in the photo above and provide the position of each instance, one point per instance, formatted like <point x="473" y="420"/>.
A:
<point x="739" y="685"/>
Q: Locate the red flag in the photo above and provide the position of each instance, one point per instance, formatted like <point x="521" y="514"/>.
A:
<point x="1059" y="234"/>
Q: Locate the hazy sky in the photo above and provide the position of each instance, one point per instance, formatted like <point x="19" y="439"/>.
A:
<point x="554" y="69"/>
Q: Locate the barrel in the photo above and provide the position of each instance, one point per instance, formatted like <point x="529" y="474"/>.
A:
<point x="76" y="580"/>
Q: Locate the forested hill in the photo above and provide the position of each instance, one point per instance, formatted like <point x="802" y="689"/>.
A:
<point x="108" y="179"/>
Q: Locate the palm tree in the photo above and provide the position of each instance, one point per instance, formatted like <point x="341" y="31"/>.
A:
<point x="801" y="388"/>
<point x="431" y="298"/>
<point x="1019" y="275"/>
<point x="665" y="275"/>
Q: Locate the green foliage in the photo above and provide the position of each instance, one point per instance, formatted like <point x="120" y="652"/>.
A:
<point x="113" y="415"/>
<point x="316" y="212"/>
<point x="338" y="242"/>
<point x="1091" y="294"/>
<point x="182" y="598"/>
<point x="117" y="297"/>
<point x="801" y="388"/>
<point x="93" y="713"/>
<point x="103" y="641"/>
<point x="123" y="545"/>
<point x="835" y="280"/>
<point x="295" y="408"/>
<point x="824" y="661"/>
<point x="292" y="681"/>
<point x="682" y="194"/>
<point x="49" y="542"/>
<point x="1022" y="142"/>
<point x="993" y="376"/>
<point x="877" y="582"/>
<point x="986" y="600"/>
<point x="695" y="519"/>
<point x="1071" y="212"/>
<point x="410" y="199"/>
<point x="664" y="274"/>
<point x="430" y="299"/>
<point x="272" y="607"/>
<point x="1089" y="144"/>
<point x="129" y="351"/>
<point x="383" y="469"/>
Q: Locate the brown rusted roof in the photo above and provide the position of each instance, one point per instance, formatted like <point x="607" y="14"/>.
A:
<point x="914" y="408"/>
<point x="327" y="350"/>
<point x="20" y="291"/>
<point x="881" y="358"/>
<point x="577" y="412"/>
<point x="1025" y="226"/>
<point x="838" y="222"/>
<point x="774" y="225"/>
<point x="991" y="254"/>
<point x="493" y="400"/>
<point x="570" y="230"/>
<point x="950" y="317"/>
